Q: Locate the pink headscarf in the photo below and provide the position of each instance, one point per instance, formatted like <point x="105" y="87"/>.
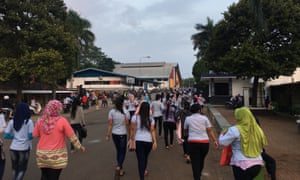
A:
<point x="50" y="115"/>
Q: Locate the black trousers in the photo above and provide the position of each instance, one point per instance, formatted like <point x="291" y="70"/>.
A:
<point x="197" y="152"/>
<point x="247" y="174"/>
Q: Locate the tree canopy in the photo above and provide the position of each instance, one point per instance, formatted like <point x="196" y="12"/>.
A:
<point x="40" y="41"/>
<point x="244" y="47"/>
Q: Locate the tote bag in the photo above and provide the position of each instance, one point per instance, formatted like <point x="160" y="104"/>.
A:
<point x="226" y="155"/>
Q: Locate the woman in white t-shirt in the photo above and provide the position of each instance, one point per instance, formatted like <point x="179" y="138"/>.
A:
<point x="142" y="132"/>
<point x="118" y="126"/>
<point x="2" y="156"/>
<point x="20" y="129"/>
<point x="198" y="129"/>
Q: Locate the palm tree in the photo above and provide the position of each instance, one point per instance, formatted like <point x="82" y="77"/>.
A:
<point x="80" y="28"/>
<point x="202" y="38"/>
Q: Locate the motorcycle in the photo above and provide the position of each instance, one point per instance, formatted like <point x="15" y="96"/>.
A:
<point x="36" y="108"/>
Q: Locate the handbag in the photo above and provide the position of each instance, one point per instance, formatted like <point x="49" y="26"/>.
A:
<point x="226" y="155"/>
<point x="83" y="132"/>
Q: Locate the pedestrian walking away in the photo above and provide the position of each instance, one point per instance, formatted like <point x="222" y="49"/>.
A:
<point x="77" y="120"/>
<point x="52" y="130"/>
<point x="118" y="128"/>
<point x="198" y="129"/>
<point x="247" y="140"/>
<point x="169" y="123"/>
<point x="20" y="129"/>
<point x="157" y="108"/>
<point x="142" y="137"/>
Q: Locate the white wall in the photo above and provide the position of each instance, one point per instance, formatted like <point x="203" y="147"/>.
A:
<point x="238" y="85"/>
<point x="285" y="79"/>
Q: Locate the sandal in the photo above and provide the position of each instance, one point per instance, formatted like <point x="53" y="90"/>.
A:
<point x="122" y="172"/>
<point x="117" y="174"/>
<point x="146" y="172"/>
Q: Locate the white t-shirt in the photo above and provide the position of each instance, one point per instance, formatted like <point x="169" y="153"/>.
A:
<point x="119" y="121"/>
<point x="197" y="125"/>
<point x="157" y="107"/>
<point x="21" y="141"/>
<point x="142" y="134"/>
<point x="2" y="122"/>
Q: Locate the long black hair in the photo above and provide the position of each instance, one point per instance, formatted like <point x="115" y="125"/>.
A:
<point x="22" y="114"/>
<point x="145" y="115"/>
<point x="119" y="104"/>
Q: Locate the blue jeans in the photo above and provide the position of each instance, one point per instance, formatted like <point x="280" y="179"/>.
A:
<point x="19" y="161"/>
<point x="120" y="142"/>
<point x="142" y="152"/>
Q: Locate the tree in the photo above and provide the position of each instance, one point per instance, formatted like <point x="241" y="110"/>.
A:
<point x="80" y="28"/>
<point x="201" y="43"/>
<point x="202" y="38"/>
<point x="238" y="48"/>
<point x="34" y="46"/>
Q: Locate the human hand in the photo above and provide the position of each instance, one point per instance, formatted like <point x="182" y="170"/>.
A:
<point x="107" y="137"/>
<point x="154" y="146"/>
<point x="216" y="144"/>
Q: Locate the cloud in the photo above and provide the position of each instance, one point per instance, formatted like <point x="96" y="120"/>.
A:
<point x="129" y="29"/>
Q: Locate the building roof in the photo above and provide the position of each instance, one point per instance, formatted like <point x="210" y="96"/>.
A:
<point x="146" y="69"/>
<point x="94" y="72"/>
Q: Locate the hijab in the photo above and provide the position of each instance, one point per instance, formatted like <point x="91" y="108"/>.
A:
<point x="22" y="114"/>
<point x="50" y="116"/>
<point x="252" y="137"/>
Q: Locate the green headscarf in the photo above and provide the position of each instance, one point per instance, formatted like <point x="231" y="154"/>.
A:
<point x="252" y="137"/>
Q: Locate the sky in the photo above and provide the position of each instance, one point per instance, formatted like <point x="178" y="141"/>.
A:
<point x="149" y="30"/>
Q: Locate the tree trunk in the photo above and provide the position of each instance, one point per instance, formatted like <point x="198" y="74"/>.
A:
<point x="53" y="91"/>
<point x="19" y="92"/>
<point x="254" y="91"/>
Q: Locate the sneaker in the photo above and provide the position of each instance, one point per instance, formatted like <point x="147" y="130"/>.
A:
<point x="167" y="147"/>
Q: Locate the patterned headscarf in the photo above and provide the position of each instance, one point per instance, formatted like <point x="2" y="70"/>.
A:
<point x="252" y="136"/>
<point x="50" y="116"/>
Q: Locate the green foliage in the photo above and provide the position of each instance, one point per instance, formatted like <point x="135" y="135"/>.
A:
<point x="34" y="46"/>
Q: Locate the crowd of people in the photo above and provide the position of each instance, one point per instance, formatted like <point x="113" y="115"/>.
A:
<point x="134" y="124"/>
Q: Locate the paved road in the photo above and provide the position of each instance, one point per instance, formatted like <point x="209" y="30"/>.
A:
<point x="98" y="162"/>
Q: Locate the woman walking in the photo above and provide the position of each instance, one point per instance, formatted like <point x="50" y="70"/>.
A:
<point x="118" y="127"/>
<point x="142" y="137"/>
<point x="198" y="129"/>
<point x="169" y="123"/>
<point x="77" y="120"/>
<point x="247" y="140"/>
<point x="52" y="130"/>
<point x="157" y="108"/>
<point x="20" y="129"/>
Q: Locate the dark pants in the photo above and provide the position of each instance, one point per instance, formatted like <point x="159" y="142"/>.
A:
<point x="19" y="161"/>
<point x="77" y="130"/>
<point x="158" y="122"/>
<point x="120" y="142"/>
<point x="185" y="145"/>
<point x="248" y="174"/>
<point x="50" y="174"/>
<point x="270" y="165"/>
<point x="2" y="168"/>
<point x="169" y="128"/>
<point x="142" y="151"/>
<point x="198" y="152"/>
